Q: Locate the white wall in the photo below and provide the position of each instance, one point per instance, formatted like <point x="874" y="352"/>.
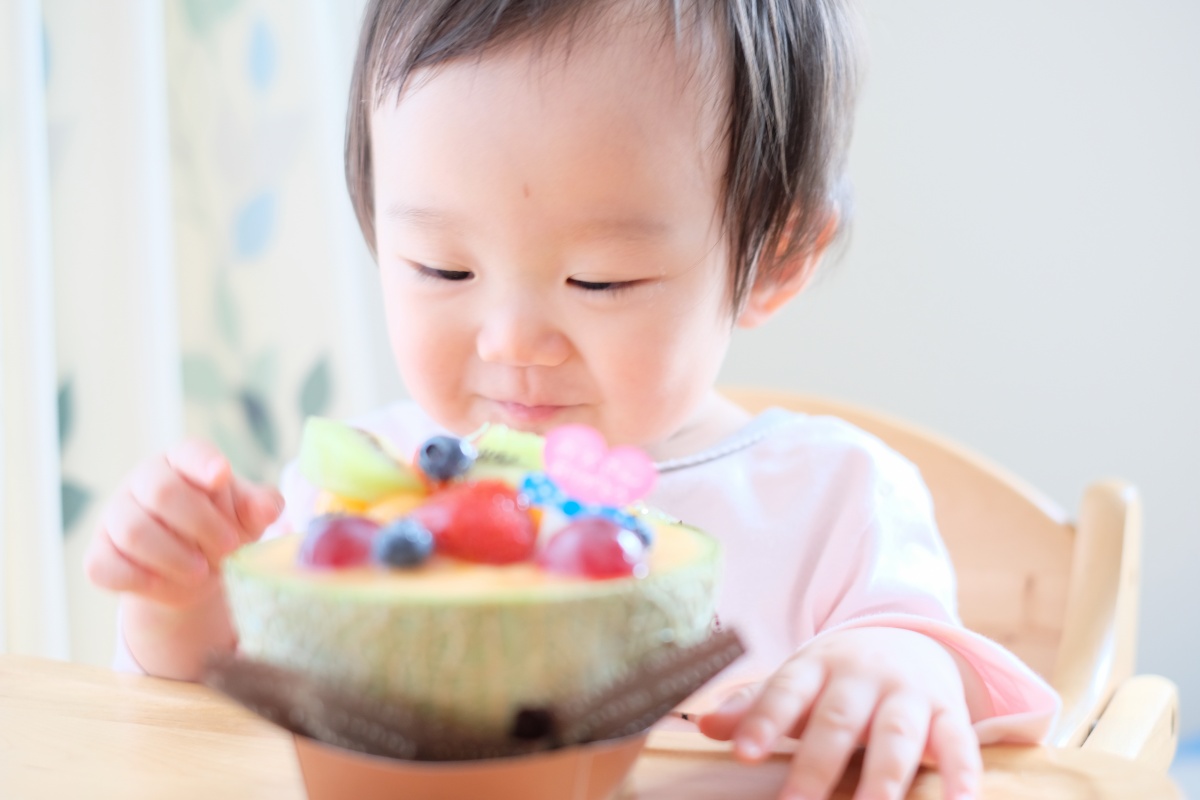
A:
<point x="1024" y="267"/>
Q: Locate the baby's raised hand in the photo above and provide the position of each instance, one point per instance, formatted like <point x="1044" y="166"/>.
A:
<point x="897" y="692"/>
<point x="165" y="532"/>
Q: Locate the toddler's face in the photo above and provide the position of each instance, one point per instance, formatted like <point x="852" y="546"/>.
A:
<point x="549" y="238"/>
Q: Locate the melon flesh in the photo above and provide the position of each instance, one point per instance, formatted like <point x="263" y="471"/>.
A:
<point x="468" y="642"/>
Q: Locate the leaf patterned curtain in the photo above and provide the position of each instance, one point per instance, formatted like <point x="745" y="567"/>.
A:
<point x="179" y="258"/>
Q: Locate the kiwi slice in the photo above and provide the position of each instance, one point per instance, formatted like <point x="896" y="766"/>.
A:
<point x="353" y="463"/>
<point x="506" y="454"/>
<point x="503" y="445"/>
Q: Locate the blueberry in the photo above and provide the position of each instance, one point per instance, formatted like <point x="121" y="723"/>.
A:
<point x="403" y="543"/>
<point x="445" y="457"/>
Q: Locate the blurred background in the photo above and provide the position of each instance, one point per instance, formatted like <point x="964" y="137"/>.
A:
<point x="178" y="256"/>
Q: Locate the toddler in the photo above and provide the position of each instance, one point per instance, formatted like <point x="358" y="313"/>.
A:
<point x="572" y="205"/>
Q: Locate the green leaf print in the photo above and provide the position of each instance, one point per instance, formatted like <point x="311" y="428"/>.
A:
<point x="66" y="412"/>
<point x="74" y="500"/>
<point x="203" y="15"/>
<point x="202" y="379"/>
<point x="264" y="371"/>
<point x="258" y="417"/>
<point x="227" y="314"/>
<point x="316" y="391"/>
<point x="232" y="445"/>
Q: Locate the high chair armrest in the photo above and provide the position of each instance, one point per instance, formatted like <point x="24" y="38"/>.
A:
<point x="1140" y="723"/>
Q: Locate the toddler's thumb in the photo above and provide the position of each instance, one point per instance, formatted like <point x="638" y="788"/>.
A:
<point x="256" y="506"/>
<point x="721" y="722"/>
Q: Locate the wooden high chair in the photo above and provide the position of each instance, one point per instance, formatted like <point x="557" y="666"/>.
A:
<point x="1060" y="594"/>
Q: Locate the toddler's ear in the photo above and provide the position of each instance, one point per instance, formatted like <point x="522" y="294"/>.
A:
<point x="768" y="296"/>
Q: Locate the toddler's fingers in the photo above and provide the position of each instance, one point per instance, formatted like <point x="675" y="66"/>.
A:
<point x="200" y="464"/>
<point x="106" y="567"/>
<point x="835" y="727"/>
<point x="955" y="747"/>
<point x="894" y="746"/>
<point x="784" y="700"/>
<point x="256" y="507"/>
<point x="145" y="541"/>
<point x="109" y="569"/>
<point x="205" y="467"/>
<point x="183" y="508"/>
<point x="251" y="508"/>
<point x="723" y="721"/>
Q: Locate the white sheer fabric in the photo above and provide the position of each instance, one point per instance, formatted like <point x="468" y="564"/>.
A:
<point x="89" y="296"/>
<point x="32" y="596"/>
<point x="178" y="257"/>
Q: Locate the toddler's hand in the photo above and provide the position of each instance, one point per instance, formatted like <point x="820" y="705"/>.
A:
<point x="165" y="532"/>
<point x="898" y="692"/>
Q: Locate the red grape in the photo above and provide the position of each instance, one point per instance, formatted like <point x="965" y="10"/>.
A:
<point x="338" y="540"/>
<point x="594" y="547"/>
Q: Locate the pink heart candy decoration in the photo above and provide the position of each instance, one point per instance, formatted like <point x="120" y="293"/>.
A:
<point x="579" y="460"/>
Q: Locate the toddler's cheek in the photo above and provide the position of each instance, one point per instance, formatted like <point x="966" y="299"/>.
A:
<point x="433" y="368"/>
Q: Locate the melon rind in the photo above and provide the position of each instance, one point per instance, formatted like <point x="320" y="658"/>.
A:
<point x="477" y="659"/>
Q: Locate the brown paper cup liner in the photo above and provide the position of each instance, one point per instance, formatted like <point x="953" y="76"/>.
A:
<point x="586" y="772"/>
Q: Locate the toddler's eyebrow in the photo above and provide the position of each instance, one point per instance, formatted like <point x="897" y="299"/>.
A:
<point x="419" y="217"/>
<point x="636" y="228"/>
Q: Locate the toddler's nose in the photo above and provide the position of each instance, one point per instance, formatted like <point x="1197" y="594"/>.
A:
<point x="521" y="337"/>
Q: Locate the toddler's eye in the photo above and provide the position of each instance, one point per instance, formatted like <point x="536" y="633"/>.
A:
<point x="442" y="274"/>
<point x="612" y="287"/>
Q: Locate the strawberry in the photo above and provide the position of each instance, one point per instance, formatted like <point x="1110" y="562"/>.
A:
<point x="484" y="521"/>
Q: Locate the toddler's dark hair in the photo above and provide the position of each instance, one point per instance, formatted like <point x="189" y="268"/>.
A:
<point x="794" y="69"/>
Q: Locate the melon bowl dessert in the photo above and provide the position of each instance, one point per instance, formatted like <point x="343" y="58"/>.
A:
<point x="476" y="643"/>
<point x="491" y="586"/>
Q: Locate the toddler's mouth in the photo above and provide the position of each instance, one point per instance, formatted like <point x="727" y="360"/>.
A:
<point x="520" y="415"/>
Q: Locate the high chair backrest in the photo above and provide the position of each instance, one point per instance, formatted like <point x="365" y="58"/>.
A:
<point x="1059" y="595"/>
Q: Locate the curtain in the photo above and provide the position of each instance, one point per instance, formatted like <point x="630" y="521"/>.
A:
<point x="179" y="258"/>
